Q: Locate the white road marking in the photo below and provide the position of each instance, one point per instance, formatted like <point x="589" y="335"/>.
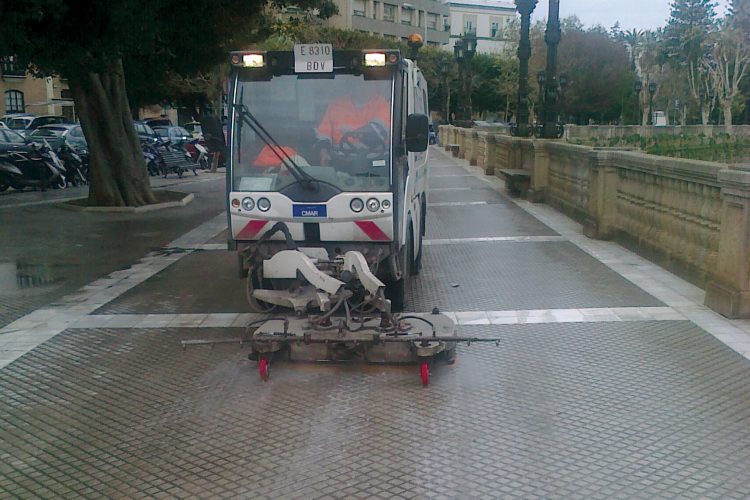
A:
<point x="457" y="203"/>
<point x="509" y="239"/>
<point x="466" y="318"/>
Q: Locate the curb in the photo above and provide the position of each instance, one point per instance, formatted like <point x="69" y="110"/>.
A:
<point x="145" y="208"/>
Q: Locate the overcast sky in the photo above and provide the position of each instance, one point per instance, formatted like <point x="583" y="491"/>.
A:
<point x="642" y="14"/>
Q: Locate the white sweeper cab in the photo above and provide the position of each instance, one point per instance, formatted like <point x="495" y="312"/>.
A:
<point x="326" y="202"/>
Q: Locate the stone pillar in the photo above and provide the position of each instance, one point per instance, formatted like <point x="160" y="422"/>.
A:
<point x="602" y="209"/>
<point x="472" y="152"/>
<point x="728" y="291"/>
<point x="490" y="154"/>
<point x="539" y="173"/>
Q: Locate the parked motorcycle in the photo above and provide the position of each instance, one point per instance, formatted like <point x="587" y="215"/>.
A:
<point x="152" y="157"/>
<point x="75" y="167"/>
<point x="40" y="167"/>
<point x="198" y="153"/>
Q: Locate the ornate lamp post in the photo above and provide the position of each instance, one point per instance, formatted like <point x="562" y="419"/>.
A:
<point x="638" y="88"/>
<point x="458" y="54"/>
<point x="651" y="92"/>
<point x="444" y="71"/>
<point x="521" y="127"/>
<point x="549" y="113"/>
<point x="563" y="85"/>
<point x="470" y="47"/>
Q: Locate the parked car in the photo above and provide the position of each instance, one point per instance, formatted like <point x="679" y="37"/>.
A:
<point x="4" y="126"/>
<point x="12" y="141"/>
<point x="26" y="124"/>
<point x="145" y="132"/>
<point x="54" y="135"/>
<point x="161" y="121"/>
<point x="7" y="118"/>
<point x="175" y="135"/>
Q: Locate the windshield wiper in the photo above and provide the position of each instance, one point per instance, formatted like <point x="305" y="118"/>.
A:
<point x="299" y="175"/>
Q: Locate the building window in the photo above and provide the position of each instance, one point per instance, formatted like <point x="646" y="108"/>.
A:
<point x="389" y="12"/>
<point x="359" y="8"/>
<point x="11" y="67"/>
<point x="375" y="8"/>
<point x="407" y="15"/>
<point x="470" y="23"/>
<point x="432" y="21"/>
<point x="494" y="28"/>
<point x="14" y="102"/>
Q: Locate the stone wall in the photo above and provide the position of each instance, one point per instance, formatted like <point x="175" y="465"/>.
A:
<point x="609" y="131"/>
<point x="692" y="217"/>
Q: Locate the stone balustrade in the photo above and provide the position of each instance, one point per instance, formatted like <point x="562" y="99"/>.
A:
<point x="691" y="217"/>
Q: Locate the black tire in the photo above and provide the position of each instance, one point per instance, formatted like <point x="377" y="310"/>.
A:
<point x="3" y="187"/>
<point x="253" y="282"/>
<point x="204" y="164"/>
<point x="396" y="291"/>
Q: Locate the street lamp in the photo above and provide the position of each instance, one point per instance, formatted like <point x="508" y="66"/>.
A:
<point x="651" y="92"/>
<point x="444" y="71"/>
<point x="521" y="127"/>
<point x="638" y="87"/>
<point x="458" y="54"/>
<point x="470" y="48"/>
<point x="563" y="80"/>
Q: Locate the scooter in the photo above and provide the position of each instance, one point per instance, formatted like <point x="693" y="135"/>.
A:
<point x="74" y="165"/>
<point x="40" y="167"/>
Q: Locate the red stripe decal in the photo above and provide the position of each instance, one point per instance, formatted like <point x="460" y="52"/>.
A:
<point x="372" y="230"/>
<point x="251" y="229"/>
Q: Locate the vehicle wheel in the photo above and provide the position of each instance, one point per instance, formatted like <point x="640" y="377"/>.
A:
<point x="204" y="164"/>
<point x="195" y="171"/>
<point x="253" y="282"/>
<point x="60" y="183"/>
<point x="3" y="187"/>
<point x="396" y="291"/>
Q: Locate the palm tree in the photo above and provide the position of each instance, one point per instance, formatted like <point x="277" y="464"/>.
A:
<point x="634" y="40"/>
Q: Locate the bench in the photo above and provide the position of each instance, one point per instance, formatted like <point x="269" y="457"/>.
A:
<point x="177" y="162"/>
<point x="453" y="148"/>
<point x="517" y="181"/>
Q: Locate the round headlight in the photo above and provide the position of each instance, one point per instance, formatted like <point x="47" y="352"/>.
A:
<point x="235" y="203"/>
<point x="264" y="204"/>
<point x="356" y="205"/>
<point x="373" y="205"/>
<point x="248" y="203"/>
<point x="386" y="204"/>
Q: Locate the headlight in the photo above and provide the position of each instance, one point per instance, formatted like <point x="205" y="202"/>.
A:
<point x="373" y="205"/>
<point x="386" y="204"/>
<point x="264" y="204"/>
<point x="248" y="204"/>
<point x="356" y="205"/>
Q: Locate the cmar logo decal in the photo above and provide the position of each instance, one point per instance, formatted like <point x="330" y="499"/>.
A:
<point x="316" y="211"/>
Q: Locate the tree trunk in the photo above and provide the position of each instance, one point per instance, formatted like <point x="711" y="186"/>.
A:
<point x="118" y="172"/>
<point x="705" y="113"/>
<point x="727" y="107"/>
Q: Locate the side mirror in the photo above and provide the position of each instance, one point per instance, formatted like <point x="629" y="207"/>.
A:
<point x="417" y="133"/>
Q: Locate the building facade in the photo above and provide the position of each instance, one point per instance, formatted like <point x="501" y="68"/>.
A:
<point x="23" y="93"/>
<point x="488" y="19"/>
<point x="395" y="18"/>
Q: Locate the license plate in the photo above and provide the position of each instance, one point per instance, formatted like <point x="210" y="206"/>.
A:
<point x="309" y="211"/>
<point x="313" y="58"/>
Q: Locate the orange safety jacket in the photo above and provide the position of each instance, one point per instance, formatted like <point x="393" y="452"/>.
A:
<point x="267" y="158"/>
<point x="344" y="116"/>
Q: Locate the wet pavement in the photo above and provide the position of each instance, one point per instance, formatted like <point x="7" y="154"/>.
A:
<point x="609" y="382"/>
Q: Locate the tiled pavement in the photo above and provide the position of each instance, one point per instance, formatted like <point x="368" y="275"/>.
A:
<point x="612" y="380"/>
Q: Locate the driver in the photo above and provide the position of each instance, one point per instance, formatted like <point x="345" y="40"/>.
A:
<point x="361" y="110"/>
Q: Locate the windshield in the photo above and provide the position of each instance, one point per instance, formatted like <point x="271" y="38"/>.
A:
<point x="19" y="123"/>
<point x="336" y="129"/>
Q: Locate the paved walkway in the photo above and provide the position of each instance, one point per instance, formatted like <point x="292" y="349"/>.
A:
<point x="612" y="380"/>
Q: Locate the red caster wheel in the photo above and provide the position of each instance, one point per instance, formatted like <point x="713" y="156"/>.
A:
<point x="263" y="368"/>
<point x="425" y="373"/>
